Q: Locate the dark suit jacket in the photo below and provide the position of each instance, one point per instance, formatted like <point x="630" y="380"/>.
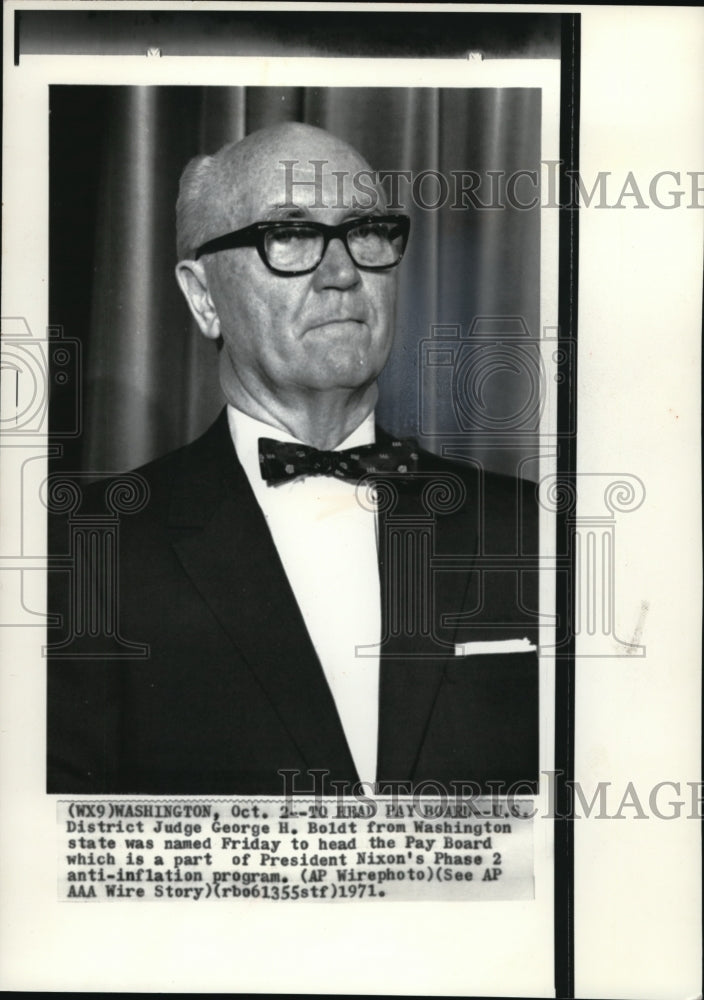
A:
<point x="232" y="690"/>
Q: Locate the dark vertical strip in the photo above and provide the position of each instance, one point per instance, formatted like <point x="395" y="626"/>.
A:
<point x="566" y="469"/>
<point x="17" y="37"/>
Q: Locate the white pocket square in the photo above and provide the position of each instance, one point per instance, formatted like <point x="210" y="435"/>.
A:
<point x="494" y="646"/>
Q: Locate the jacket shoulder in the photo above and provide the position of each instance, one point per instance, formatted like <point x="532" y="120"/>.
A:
<point x="149" y="488"/>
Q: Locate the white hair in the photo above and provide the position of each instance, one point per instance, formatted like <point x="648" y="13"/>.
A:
<point x="200" y="205"/>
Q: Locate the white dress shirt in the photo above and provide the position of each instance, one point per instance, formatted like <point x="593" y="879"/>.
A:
<point x="328" y="546"/>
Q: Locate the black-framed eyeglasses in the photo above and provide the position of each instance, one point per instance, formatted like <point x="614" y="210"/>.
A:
<point x="297" y="246"/>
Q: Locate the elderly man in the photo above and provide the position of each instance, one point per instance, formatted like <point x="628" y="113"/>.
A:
<point x="282" y="569"/>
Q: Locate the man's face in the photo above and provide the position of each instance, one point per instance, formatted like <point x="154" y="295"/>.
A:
<point x="327" y="330"/>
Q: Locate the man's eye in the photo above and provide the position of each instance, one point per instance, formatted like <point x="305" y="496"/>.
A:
<point x="285" y="236"/>
<point x="371" y="231"/>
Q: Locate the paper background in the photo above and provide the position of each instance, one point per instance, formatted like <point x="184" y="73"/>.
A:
<point x="637" y="885"/>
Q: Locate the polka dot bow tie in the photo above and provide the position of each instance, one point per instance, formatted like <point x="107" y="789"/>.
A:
<point x="281" y="461"/>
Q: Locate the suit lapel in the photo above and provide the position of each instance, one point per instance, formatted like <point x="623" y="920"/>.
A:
<point x="224" y="545"/>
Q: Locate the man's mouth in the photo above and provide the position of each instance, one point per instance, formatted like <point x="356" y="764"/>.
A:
<point x="335" y="320"/>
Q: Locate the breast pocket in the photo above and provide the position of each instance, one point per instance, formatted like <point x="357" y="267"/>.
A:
<point x="484" y="725"/>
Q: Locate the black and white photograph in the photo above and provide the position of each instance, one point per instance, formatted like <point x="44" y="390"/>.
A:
<point x="261" y="614"/>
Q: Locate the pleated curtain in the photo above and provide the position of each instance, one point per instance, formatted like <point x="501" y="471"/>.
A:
<point x="150" y="380"/>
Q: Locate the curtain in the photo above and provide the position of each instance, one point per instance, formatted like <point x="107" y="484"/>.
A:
<point x="150" y="380"/>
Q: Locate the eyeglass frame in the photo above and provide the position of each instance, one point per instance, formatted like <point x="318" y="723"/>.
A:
<point x="254" y="235"/>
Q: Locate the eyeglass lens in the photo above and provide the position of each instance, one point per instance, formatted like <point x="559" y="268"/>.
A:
<point x="371" y="244"/>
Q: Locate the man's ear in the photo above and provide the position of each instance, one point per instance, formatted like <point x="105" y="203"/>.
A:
<point x="193" y="282"/>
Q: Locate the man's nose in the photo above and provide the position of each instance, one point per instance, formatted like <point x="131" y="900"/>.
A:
<point x="336" y="269"/>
